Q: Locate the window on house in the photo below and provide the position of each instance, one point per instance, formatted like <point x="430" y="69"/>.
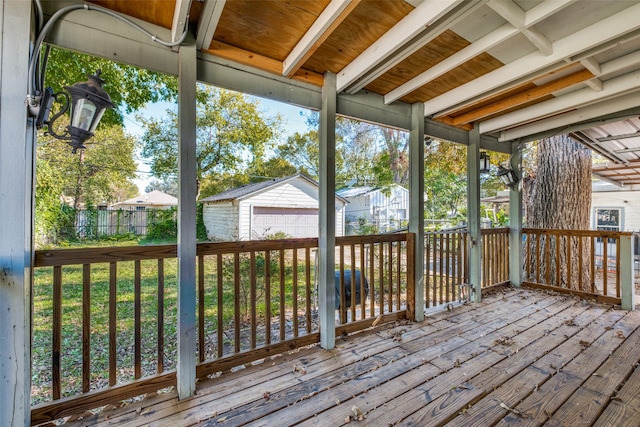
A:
<point x="608" y="219"/>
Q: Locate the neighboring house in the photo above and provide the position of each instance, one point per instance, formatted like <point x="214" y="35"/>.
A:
<point x="615" y="208"/>
<point x="385" y="208"/>
<point x="283" y="205"/>
<point x="153" y="200"/>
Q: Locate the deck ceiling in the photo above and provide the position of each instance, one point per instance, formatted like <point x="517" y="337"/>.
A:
<point x="518" y="70"/>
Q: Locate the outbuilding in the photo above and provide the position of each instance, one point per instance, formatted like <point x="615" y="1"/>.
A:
<point x="286" y="206"/>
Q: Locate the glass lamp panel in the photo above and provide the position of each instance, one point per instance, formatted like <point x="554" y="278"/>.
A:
<point x="83" y="113"/>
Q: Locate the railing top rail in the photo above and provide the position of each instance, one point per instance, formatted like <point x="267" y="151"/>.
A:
<point x="60" y="257"/>
<point x="501" y="230"/>
<point x="588" y="233"/>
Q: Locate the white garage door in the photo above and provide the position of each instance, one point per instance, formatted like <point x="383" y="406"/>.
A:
<point x="292" y="222"/>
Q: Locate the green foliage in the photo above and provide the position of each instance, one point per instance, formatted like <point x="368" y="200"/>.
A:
<point x="231" y="134"/>
<point x="201" y="229"/>
<point x="164" y="226"/>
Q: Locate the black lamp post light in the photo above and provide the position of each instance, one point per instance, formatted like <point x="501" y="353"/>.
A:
<point x="89" y="101"/>
<point x="485" y="162"/>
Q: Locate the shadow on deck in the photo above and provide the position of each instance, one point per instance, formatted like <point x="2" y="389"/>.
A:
<point x="520" y="357"/>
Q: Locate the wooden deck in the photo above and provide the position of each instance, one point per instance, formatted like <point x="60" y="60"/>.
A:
<point x="520" y="357"/>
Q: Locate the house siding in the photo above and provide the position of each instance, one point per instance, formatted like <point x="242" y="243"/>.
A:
<point x="221" y="221"/>
<point x="627" y="201"/>
<point x="375" y="206"/>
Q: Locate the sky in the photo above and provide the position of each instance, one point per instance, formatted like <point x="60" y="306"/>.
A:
<point x="294" y="119"/>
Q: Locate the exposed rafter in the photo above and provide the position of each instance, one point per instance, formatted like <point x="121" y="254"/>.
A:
<point x="327" y="22"/>
<point x="209" y="22"/>
<point x="403" y="32"/>
<point x="492" y="39"/>
<point x="180" y="17"/>
<point x="518" y="18"/>
<point x="624" y="136"/>
<point x="586" y="38"/>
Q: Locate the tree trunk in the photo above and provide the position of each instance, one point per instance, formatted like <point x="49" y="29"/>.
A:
<point x="558" y="196"/>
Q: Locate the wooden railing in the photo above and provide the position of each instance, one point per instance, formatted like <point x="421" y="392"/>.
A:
<point x="582" y="262"/>
<point x="447" y="262"/>
<point x="105" y="319"/>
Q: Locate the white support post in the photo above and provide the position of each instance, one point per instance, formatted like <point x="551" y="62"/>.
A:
<point x="473" y="213"/>
<point x="327" y="212"/>
<point x="186" y="368"/>
<point x="626" y="272"/>
<point x="515" y="222"/>
<point x="416" y="204"/>
<point x="17" y="139"/>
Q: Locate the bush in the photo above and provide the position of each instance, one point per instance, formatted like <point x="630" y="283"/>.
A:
<point x="165" y="226"/>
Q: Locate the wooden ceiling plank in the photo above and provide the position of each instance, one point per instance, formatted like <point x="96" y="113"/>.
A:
<point x="209" y="22"/>
<point x="521" y="98"/>
<point x="408" y="28"/>
<point x="549" y="7"/>
<point x="322" y="28"/>
<point x="263" y="63"/>
<point x="611" y="89"/>
<point x="586" y="38"/>
<point x="609" y="106"/>
<point x="433" y="33"/>
<point x="180" y="19"/>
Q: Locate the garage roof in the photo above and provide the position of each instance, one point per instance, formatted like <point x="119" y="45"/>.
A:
<point x="516" y="70"/>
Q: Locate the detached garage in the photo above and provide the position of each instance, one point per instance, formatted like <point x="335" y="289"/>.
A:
<point x="256" y="211"/>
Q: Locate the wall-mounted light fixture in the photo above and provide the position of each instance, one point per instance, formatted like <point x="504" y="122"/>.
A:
<point x="485" y="162"/>
<point x="88" y="100"/>
<point x="507" y="176"/>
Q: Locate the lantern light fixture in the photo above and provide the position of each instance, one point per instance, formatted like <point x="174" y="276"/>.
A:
<point x="507" y="176"/>
<point x="485" y="162"/>
<point x="89" y="100"/>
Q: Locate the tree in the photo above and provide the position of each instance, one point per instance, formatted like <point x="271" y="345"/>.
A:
<point x="101" y="172"/>
<point x="231" y="134"/>
<point x="558" y="196"/>
<point x="168" y="186"/>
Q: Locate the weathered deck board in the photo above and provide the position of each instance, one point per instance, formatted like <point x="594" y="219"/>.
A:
<point x="548" y="359"/>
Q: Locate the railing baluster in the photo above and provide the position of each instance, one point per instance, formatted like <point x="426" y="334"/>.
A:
<point x="441" y="265"/>
<point x="605" y="262"/>
<point x="236" y="302"/>
<point x="447" y="265"/>
<point x="219" y="328"/>
<point x="593" y="264"/>
<point x="307" y="287"/>
<point x="390" y="273"/>
<point x="398" y="272"/>
<point x="56" y="373"/>
<point x="342" y="290"/>
<point x="580" y="261"/>
<point x="137" y="334"/>
<point x="354" y="284"/>
<point x="427" y="273"/>
<point x="86" y="327"/>
<point x="618" y="258"/>
<point x="372" y="282"/>
<point x="294" y="295"/>
<point x="282" y="296"/>
<point x="201" y="322"/>
<point x="113" y="277"/>
<point x="558" y="246"/>
<point x="160" y="363"/>
<point x="267" y="296"/>
<point x="547" y="241"/>
<point x="381" y="268"/>
<point x="252" y="302"/>
<point x="363" y="299"/>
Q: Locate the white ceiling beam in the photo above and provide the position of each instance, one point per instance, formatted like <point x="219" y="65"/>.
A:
<point x="321" y="29"/>
<point x="595" y="84"/>
<point x="586" y="38"/>
<point x="611" y="88"/>
<point x="404" y="31"/>
<point x="509" y="11"/>
<point x="492" y="39"/>
<point x="592" y="65"/>
<point x="518" y="18"/>
<point x="180" y="17"/>
<point x="464" y="10"/>
<point x="539" y="40"/>
<point x="590" y="112"/>
<point x="209" y="19"/>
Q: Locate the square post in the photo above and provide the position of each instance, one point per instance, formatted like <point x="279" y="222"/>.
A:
<point x="327" y="214"/>
<point x="17" y="142"/>
<point x="415" y="307"/>
<point x="186" y="368"/>
<point x="515" y="222"/>
<point x="473" y="214"/>
<point x="627" y="291"/>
